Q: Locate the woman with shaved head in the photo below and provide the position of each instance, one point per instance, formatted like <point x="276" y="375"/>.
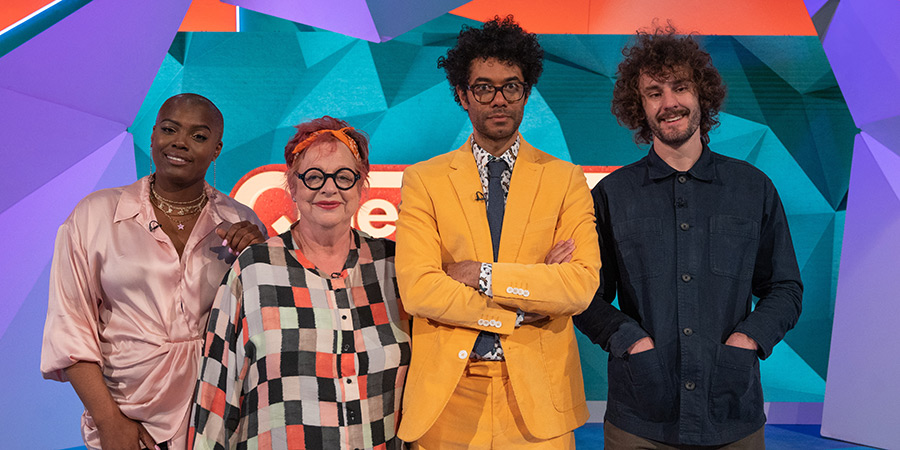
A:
<point x="134" y="273"/>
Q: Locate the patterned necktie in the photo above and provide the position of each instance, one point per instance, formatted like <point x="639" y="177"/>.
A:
<point x="488" y="343"/>
<point x="496" y="202"/>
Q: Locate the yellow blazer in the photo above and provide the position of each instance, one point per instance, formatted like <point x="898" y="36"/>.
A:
<point x="440" y="222"/>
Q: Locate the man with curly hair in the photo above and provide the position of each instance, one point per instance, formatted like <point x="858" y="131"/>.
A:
<point x="494" y="358"/>
<point x="687" y="237"/>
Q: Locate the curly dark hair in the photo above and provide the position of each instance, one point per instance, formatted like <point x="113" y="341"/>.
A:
<point x="660" y="54"/>
<point x="499" y="38"/>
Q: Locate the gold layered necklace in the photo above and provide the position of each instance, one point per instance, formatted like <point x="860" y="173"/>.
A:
<point x="172" y="209"/>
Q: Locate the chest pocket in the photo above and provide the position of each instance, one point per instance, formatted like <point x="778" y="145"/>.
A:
<point x="639" y="241"/>
<point x="733" y="243"/>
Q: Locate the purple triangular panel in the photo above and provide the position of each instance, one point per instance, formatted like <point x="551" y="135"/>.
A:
<point x="349" y="17"/>
<point x="888" y="160"/>
<point x="860" y="395"/>
<point x="395" y="17"/>
<point x="813" y="5"/>
<point x="101" y="59"/>
<point x="861" y="46"/>
<point x="32" y="222"/>
<point x="41" y="140"/>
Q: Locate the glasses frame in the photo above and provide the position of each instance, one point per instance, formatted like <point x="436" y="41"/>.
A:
<point x="326" y="176"/>
<point x="495" y="89"/>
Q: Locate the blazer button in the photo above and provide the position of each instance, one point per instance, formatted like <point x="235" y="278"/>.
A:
<point x="481" y="322"/>
<point x="492" y="323"/>
<point x="526" y="293"/>
<point x="509" y="290"/>
<point x="498" y="324"/>
<point x="463" y="354"/>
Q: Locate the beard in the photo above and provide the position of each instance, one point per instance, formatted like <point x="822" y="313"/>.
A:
<point x="675" y="138"/>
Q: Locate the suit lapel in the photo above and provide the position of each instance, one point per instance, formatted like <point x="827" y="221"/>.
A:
<point x="523" y="187"/>
<point x="466" y="181"/>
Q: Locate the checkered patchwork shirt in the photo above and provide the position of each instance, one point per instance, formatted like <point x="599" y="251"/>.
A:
<point x="298" y="359"/>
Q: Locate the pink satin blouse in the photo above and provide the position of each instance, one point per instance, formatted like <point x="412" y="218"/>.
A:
<point x="121" y="297"/>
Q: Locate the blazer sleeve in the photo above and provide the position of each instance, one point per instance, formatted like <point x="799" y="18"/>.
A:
<point x="427" y="291"/>
<point x="557" y="289"/>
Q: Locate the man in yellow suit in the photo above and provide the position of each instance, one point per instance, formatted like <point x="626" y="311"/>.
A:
<point x="496" y="250"/>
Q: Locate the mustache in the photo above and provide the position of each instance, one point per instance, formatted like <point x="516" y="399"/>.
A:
<point x="672" y="113"/>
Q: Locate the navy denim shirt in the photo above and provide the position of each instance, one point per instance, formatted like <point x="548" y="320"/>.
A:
<point x="686" y="252"/>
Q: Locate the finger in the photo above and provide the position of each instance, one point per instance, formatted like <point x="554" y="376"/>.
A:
<point x="242" y="242"/>
<point x="145" y="437"/>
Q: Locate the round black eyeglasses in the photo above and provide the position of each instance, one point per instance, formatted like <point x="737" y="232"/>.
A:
<point x="314" y="178"/>
<point x="485" y="93"/>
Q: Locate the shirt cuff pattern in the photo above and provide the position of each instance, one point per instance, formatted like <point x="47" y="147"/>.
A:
<point x="484" y="280"/>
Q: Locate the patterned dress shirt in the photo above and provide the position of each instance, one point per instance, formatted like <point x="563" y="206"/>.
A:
<point x="482" y="158"/>
<point x="297" y="358"/>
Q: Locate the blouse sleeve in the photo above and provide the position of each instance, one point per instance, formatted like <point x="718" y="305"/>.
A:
<point x="71" y="331"/>
<point x="216" y="413"/>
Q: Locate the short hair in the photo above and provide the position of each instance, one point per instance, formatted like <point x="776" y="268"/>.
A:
<point x="660" y="54"/>
<point x="499" y="38"/>
<point x="305" y="129"/>
<point x="197" y="99"/>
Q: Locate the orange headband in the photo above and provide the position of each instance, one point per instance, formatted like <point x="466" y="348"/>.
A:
<point x="341" y="135"/>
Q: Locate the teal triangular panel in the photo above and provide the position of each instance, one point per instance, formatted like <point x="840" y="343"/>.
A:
<point x="541" y="128"/>
<point x="320" y="45"/>
<point x="351" y="88"/>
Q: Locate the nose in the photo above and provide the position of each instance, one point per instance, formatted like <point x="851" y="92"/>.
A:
<point x="499" y="100"/>
<point x="179" y="140"/>
<point x="669" y="100"/>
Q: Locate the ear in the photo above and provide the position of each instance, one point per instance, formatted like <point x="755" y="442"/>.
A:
<point x="218" y="150"/>
<point x="463" y="99"/>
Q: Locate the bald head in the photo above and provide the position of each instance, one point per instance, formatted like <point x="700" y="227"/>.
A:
<point x="211" y="112"/>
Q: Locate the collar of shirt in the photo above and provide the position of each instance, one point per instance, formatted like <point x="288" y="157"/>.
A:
<point x="135" y="202"/>
<point x="482" y="158"/>
<point x="704" y="169"/>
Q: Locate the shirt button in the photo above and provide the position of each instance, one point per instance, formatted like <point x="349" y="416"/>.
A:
<point x="349" y="381"/>
<point x="687" y="331"/>
<point x="689" y="385"/>
<point x="685" y="226"/>
<point x="463" y="354"/>
<point x="344" y="317"/>
<point x="346" y="348"/>
<point x="682" y="179"/>
<point x="686" y="277"/>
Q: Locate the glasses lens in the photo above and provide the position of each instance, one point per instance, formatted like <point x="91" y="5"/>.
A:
<point x="345" y="178"/>
<point x="513" y="91"/>
<point x="483" y="93"/>
<point x="313" y="178"/>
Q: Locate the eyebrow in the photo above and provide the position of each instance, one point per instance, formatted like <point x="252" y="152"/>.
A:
<point x="179" y="124"/>
<point x="489" y="81"/>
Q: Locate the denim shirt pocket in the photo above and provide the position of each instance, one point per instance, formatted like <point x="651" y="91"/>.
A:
<point x="732" y="246"/>
<point x="649" y="392"/>
<point x="735" y="393"/>
<point x="639" y="242"/>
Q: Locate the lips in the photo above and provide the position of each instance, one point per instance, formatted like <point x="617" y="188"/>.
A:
<point x="176" y="160"/>
<point x="327" y="205"/>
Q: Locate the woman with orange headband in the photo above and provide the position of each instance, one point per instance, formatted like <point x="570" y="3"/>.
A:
<point x="308" y="344"/>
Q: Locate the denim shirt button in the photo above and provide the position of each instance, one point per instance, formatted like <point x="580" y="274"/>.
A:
<point x="689" y="385"/>
<point x="687" y="331"/>
<point x="686" y="277"/>
<point x="682" y="179"/>
<point x="684" y="226"/>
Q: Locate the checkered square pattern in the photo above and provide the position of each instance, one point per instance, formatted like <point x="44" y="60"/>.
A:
<point x="297" y="359"/>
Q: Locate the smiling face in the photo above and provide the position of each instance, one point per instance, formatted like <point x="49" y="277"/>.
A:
<point x="671" y="107"/>
<point x="186" y="139"/>
<point x="495" y="124"/>
<point x="327" y="207"/>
